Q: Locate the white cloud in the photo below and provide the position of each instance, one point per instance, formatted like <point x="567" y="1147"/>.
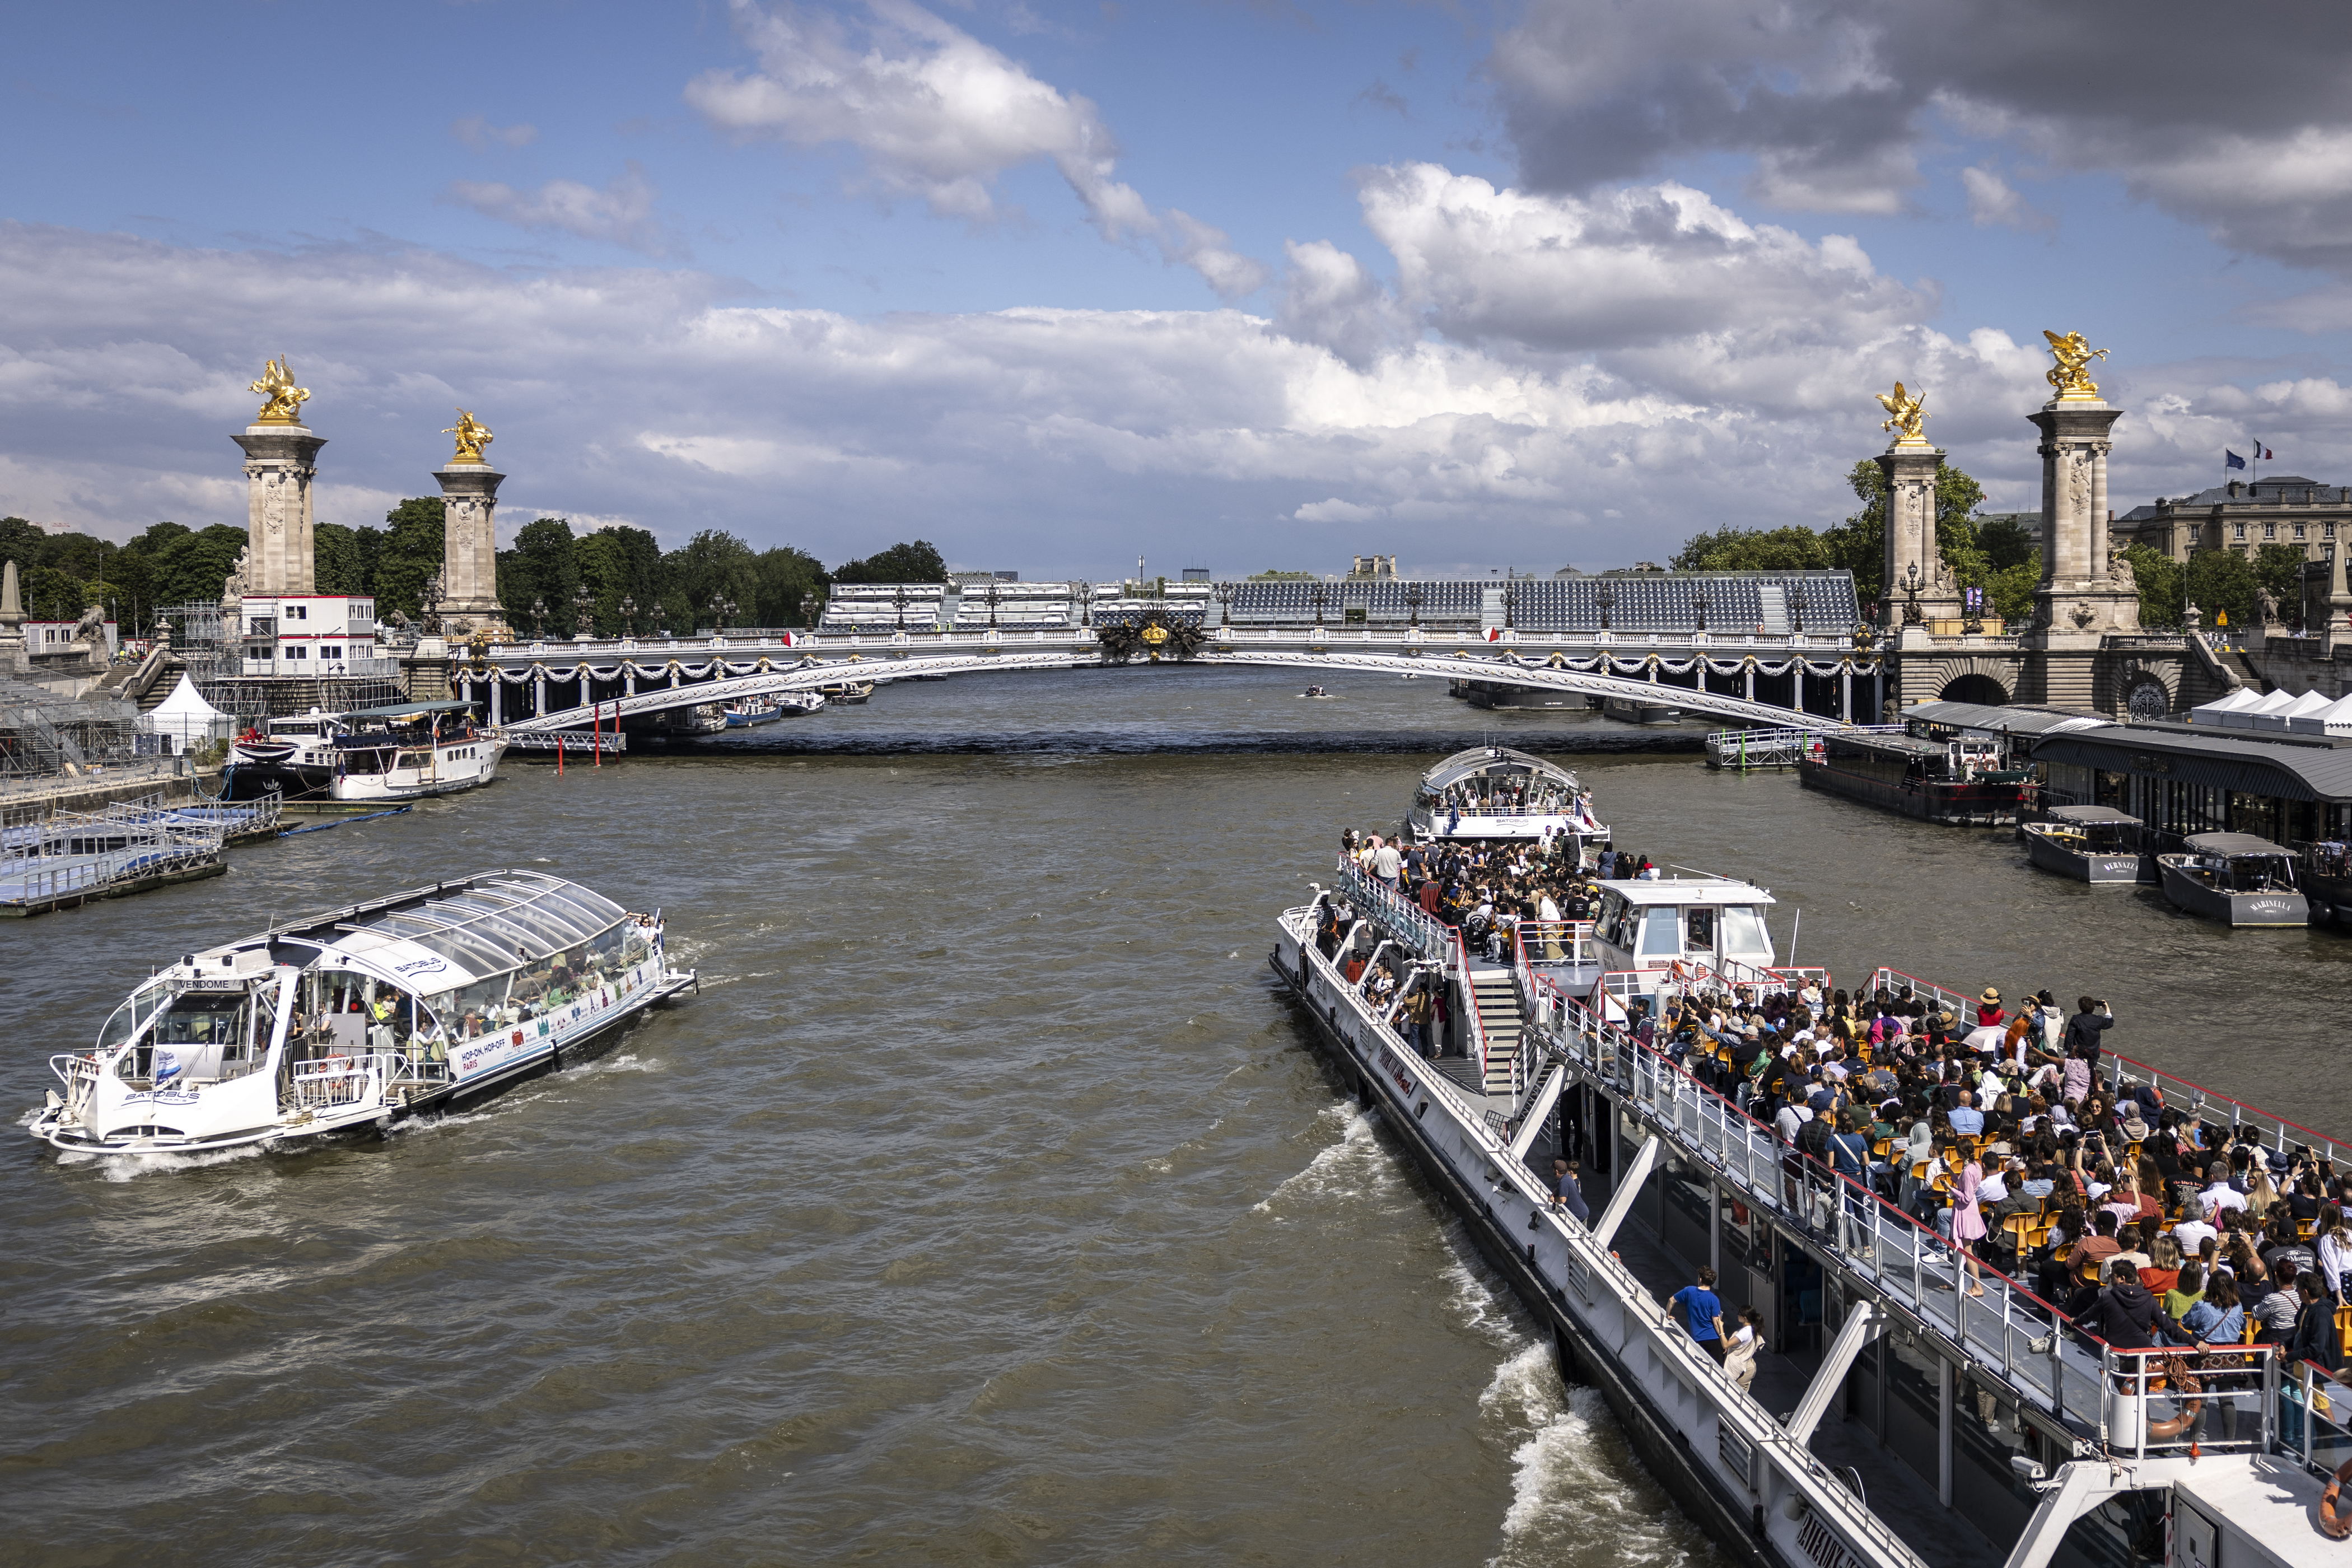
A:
<point x="1517" y="429"/>
<point x="479" y="134"/>
<point x="936" y="114"/>
<point x="621" y="214"/>
<point x="1994" y="204"/>
<point x="1832" y="100"/>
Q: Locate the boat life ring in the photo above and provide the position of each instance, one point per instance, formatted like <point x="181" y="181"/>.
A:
<point x="2187" y="1390"/>
<point x="517" y="1038"/>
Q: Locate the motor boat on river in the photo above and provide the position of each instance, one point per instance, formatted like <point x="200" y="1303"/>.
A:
<point x="361" y="1017"/>
<point x="1496" y="793"/>
<point x="846" y="693"/>
<point x="2236" y="878"/>
<point x="2088" y="843"/>
<point x="1640" y="710"/>
<point x="406" y="751"/>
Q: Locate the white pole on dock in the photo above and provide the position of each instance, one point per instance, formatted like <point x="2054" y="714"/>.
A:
<point x="1795" y="925"/>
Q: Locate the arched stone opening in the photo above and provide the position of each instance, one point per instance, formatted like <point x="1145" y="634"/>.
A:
<point x="1981" y="688"/>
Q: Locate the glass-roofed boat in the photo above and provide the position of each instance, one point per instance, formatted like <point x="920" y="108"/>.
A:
<point x="1496" y="793"/>
<point x="361" y="1017"/>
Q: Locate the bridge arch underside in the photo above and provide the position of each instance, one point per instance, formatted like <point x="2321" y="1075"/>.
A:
<point x="541" y="697"/>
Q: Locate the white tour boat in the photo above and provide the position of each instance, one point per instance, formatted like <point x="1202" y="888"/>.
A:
<point x="405" y="751"/>
<point x="360" y="1017"/>
<point x="1494" y="791"/>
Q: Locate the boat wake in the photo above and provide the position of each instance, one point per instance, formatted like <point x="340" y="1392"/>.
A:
<point x="131" y="1167"/>
<point x="1347" y="1169"/>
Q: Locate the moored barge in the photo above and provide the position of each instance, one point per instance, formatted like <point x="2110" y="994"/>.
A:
<point x="1956" y="782"/>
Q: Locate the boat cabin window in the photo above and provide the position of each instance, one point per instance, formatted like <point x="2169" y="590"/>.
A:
<point x="201" y="1034"/>
<point x="134" y="1015"/>
<point x="1616" y="926"/>
<point x="1744" y="936"/>
<point x="1661" y="932"/>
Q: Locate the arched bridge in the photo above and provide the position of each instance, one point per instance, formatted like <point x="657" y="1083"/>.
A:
<point x="606" y="683"/>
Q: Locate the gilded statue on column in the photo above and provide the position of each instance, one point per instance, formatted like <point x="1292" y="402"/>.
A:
<point x="1905" y="413"/>
<point x="285" y="399"/>
<point x="2072" y="375"/>
<point x="472" y="436"/>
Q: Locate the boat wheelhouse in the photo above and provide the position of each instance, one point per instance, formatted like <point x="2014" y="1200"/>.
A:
<point x="360" y="1017"/>
<point x="1692" y="922"/>
<point x="2236" y="878"/>
<point x="1494" y="791"/>
<point x="2089" y="843"/>
<point x="1965" y="781"/>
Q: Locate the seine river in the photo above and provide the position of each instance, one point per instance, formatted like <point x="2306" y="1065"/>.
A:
<point x="987" y="1205"/>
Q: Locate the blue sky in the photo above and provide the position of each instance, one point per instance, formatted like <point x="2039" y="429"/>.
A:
<point x="1245" y="285"/>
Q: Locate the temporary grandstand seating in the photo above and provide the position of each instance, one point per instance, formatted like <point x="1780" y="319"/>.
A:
<point x="1383" y="603"/>
<point x="870" y="608"/>
<point x="1734" y="603"/>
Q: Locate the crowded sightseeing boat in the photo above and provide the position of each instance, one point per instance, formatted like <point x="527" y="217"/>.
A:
<point x="367" y="756"/>
<point x="1872" y="1270"/>
<point x="357" y="1019"/>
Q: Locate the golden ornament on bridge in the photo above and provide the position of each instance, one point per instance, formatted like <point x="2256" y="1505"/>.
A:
<point x="472" y="436"/>
<point x="2072" y="375"/>
<point x="285" y="399"/>
<point x="1904" y="414"/>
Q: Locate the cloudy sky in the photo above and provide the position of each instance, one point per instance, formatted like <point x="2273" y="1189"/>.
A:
<point x="1234" y="283"/>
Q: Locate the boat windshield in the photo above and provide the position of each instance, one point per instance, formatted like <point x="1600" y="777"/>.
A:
<point x="134" y="1015"/>
<point x="1744" y="936"/>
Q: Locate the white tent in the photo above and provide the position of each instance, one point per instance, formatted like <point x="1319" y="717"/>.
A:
<point x="2278" y="718"/>
<point x="184" y="719"/>
<point x="2244" y="718"/>
<point x="2218" y="711"/>
<point x="2336" y="719"/>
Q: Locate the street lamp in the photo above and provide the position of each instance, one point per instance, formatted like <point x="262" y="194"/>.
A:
<point x="654" y="615"/>
<point x="539" y="620"/>
<point x="1510" y="608"/>
<point x="724" y="607"/>
<point x="583" y="617"/>
<point x="992" y="604"/>
<point x="1698" y="605"/>
<point x="1912" y="616"/>
<point x="1320" y="601"/>
<point x="1085" y="592"/>
<point x="898" y="597"/>
<point x="1412" y="604"/>
<point x="1608" y="601"/>
<point x="629" y="616"/>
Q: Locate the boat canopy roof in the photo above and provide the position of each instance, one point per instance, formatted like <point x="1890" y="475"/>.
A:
<point x="1683" y="891"/>
<point x="2085" y="816"/>
<point x="404" y="710"/>
<point x="2232" y="844"/>
<point x="1492" y="761"/>
<point x="1982" y="718"/>
<point x="458" y="932"/>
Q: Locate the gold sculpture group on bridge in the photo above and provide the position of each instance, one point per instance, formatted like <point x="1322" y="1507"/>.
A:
<point x="1906" y="410"/>
<point x="472" y="436"/>
<point x="285" y="399"/>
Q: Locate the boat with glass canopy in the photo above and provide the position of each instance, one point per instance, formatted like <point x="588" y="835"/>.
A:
<point x="361" y="1016"/>
<point x="1496" y="793"/>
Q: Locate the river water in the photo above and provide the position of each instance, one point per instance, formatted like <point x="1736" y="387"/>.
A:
<point x="986" y="1206"/>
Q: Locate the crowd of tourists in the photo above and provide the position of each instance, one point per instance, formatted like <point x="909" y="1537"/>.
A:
<point x="1489" y="889"/>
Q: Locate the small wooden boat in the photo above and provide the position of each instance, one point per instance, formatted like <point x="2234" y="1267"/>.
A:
<point x="2236" y="878"/>
<point x="2088" y="843"/>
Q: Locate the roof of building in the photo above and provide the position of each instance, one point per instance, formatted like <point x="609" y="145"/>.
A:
<point x="1982" y="718"/>
<point x="2277" y="490"/>
<point x="2286" y="767"/>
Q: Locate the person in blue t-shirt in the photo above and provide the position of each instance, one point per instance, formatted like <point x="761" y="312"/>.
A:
<point x="1701" y="1313"/>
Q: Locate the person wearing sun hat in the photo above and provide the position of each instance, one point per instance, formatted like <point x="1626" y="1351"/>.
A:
<point x="1989" y="1011"/>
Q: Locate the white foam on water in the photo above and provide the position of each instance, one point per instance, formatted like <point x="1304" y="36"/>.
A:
<point x="1345" y="1168"/>
<point x="1576" y="1493"/>
<point x="131" y="1167"/>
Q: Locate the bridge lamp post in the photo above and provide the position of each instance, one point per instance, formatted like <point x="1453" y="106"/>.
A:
<point x="1320" y="599"/>
<point x="898" y="597"/>
<point x="1510" y="608"/>
<point x="992" y="604"/>
<point x="629" y="616"/>
<point x="1698" y="606"/>
<point x="1608" y="603"/>
<point x="1412" y="605"/>
<point x="1085" y="592"/>
<point x="539" y="620"/>
<point x="724" y="608"/>
<point x="654" y="615"/>
<point x="583" y="620"/>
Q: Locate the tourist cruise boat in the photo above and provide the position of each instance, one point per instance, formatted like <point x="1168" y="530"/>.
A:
<point x="1496" y="793"/>
<point x="368" y="756"/>
<point x="360" y="1017"/>
<point x="1965" y="781"/>
<point x="1906" y="1414"/>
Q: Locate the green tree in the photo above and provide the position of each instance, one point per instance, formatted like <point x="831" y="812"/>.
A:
<point x="712" y="565"/>
<point x="2278" y="571"/>
<point x="543" y="567"/>
<point x="1791" y="549"/>
<point x="2006" y="544"/>
<point x="411" y="553"/>
<point x="791" y="587"/>
<point x="2222" y="581"/>
<point x="344" y="559"/>
<point x="192" y="567"/>
<point x="2160" y="579"/>
<point x="915" y="563"/>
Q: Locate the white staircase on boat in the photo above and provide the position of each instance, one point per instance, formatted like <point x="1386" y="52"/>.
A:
<point x="1772" y="602"/>
<point x="1499" y="1019"/>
